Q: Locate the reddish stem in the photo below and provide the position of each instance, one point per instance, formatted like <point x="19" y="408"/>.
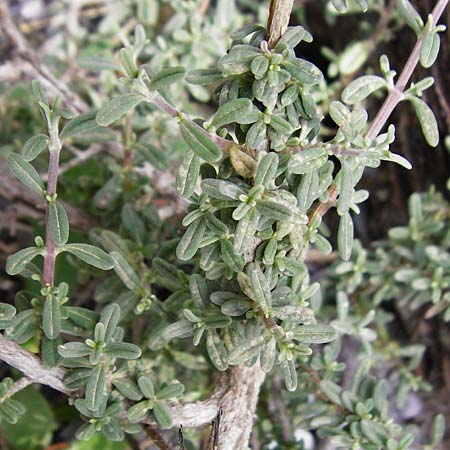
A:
<point x="52" y="182"/>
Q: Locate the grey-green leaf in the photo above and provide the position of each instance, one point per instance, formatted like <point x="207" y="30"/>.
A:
<point x="59" y="223"/>
<point x="90" y="255"/>
<point x="307" y="160"/>
<point x="409" y="14"/>
<point x="162" y="415"/>
<point x="25" y="172"/>
<point x="17" y="262"/>
<point x="190" y="242"/>
<point x="231" y="112"/>
<point x="34" y="146"/>
<point x="84" y="123"/>
<point x="124" y="271"/>
<point x="117" y="108"/>
<point x="199" y="142"/>
<point x="427" y="121"/>
<point x="187" y="174"/>
<point x="96" y="388"/>
<point x="361" y="88"/>
<point x="51" y="317"/>
<point x="345" y="236"/>
<point x="314" y="334"/>
<point x="166" y="77"/>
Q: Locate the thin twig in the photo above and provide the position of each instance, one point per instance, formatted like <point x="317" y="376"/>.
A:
<point x="279" y="15"/>
<point x="392" y="100"/>
<point x="154" y="434"/>
<point x="16" y="387"/>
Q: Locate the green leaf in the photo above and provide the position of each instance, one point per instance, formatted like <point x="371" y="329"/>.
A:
<point x="430" y="47"/>
<point x="267" y="170"/>
<point x="84" y="123"/>
<point x="438" y="430"/>
<point x="110" y="318"/>
<point x="96" y="388"/>
<point x="90" y="255"/>
<point x="74" y="350"/>
<point x="51" y="317"/>
<point x="7" y="311"/>
<point x="180" y="329"/>
<point x="268" y="354"/>
<point x="166" y="77"/>
<point x="314" y="334"/>
<point x="191" y="240"/>
<point x="117" y="108"/>
<point x="290" y="374"/>
<point x="345" y="236"/>
<point x="124" y="271"/>
<point x="256" y="134"/>
<point x="187" y="174"/>
<point x="303" y="71"/>
<point x="59" y="223"/>
<point x="133" y="223"/>
<point x="293" y="313"/>
<point x="25" y="173"/>
<point x="308" y="160"/>
<point x="172" y="390"/>
<point x="245" y="350"/>
<point x="199" y="141"/>
<point x="138" y="411"/>
<point x="245" y="31"/>
<point x="259" y="66"/>
<point x="76" y="378"/>
<point x="82" y="317"/>
<point x="345" y="188"/>
<point x="409" y="14"/>
<point x="281" y="125"/>
<point x="123" y="350"/>
<point x="17" y="262"/>
<point x="162" y="415"/>
<point x="221" y="189"/>
<point x="236" y="307"/>
<point x="216" y="350"/>
<point x="146" y="386"/>
<point x="204" y="76"/>
<point x="238" y="60"/>
<point x="49" y="351"/>
<point x="374" y="432"/>
<point x="231" y="112"/>
<point x="232" y="260"/>
<point x="245" y="231"/>
<point x="260" y="287"/>
<point x="427" y="121"/>
<point x="274" y="210"/>
<point x="199" y="291"/>
<point x="34" y="146"/>
<point x="361" y="88"/>
<point x="128" y="389"/>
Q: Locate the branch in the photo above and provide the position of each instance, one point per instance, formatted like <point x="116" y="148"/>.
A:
<point x="392" y="100"/>
<point x="16" y="387"/>
<point x="31" y="366"/>
<point x="279" y="14"/>
<point x="236" y="393"/>
<point x="154" y="434"/>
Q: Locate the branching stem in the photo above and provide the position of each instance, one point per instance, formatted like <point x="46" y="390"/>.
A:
<point x="392" y="100"/>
